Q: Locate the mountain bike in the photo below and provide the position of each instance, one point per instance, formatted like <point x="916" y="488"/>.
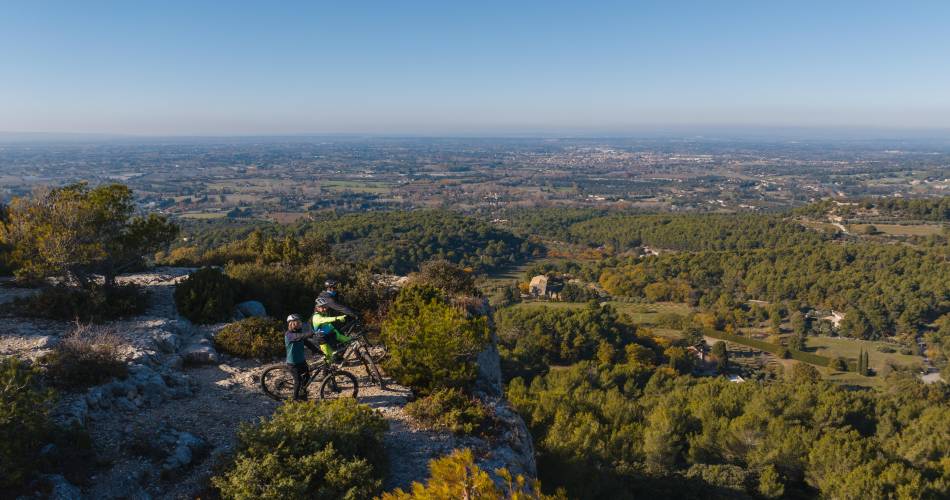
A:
<point x="277" y="381"/>
<point x="361" y="351"/>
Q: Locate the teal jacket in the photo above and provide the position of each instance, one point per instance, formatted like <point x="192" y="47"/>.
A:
<point x="294" y="343"/>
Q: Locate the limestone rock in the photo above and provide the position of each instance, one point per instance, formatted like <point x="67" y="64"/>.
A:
<point x="184" y="450"/>
<point x="200" y="352"/>
<point x="149" y="385"/>
<point x="249" y="309"/>
<point x="73" y="412"/>
<point x="166" y="342"/>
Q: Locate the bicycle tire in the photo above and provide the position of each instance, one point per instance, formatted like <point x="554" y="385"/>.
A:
<point x="339" y="384"/>
<point x="372" y="369"/>
<point x="278" y="383"/>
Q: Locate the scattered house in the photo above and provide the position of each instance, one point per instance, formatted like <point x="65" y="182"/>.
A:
<point x="542" y="286"/>
<point x="698" y="351"/>
<point x="835" y="318"/>
<point x="649" y="251"/>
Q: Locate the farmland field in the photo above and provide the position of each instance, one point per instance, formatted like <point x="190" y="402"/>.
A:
<point x="357" y="186"/>
<point x="900" y="229"/>
<point x="203" y="215"/>
<point x="851" y="348"/>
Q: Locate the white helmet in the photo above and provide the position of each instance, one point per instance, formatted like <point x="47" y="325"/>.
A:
<point x="293" y="317"/>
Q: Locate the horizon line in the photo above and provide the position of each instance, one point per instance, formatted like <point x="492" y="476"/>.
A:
<point x="632" y="132"/>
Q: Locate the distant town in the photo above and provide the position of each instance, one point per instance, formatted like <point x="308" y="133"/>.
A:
<point x="288" y="179"/>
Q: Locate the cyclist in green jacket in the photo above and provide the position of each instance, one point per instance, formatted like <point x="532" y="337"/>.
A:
<point x="328" y="337"/>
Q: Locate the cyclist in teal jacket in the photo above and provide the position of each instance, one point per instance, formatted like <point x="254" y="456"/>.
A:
<point x="295" y="339"/>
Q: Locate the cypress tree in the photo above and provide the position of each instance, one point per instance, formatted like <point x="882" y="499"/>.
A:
<point x="863" y="362"/>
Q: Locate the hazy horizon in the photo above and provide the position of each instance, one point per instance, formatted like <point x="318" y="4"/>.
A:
<point x="729" y="133"/>
<point x="492" y="68"/>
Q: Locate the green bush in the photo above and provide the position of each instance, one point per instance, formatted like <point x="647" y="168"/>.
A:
<point x="206" y="296"/>
<point x="260" y="338"/>
<point x="24" y="410"/>
<point x="886" y="349"/>
<point x="95" y="303"/>
<point x="282" y="288"/>
<point x="431" y="343"/>
<point x="458" y="476"/>
<point x="727" y="478"/>
<point x="573" y="292"/>
<point x="323" y="450"/>
<point x="451" y="410"/>
<point x="838" y="364"/>
<point x="87" y="357"/>
<point x="446" y="276"/>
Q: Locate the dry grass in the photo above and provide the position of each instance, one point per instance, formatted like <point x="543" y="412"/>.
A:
<point x="87" y="356"/>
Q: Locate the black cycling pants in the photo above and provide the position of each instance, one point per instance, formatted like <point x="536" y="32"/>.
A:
<point x="301" y="373"/>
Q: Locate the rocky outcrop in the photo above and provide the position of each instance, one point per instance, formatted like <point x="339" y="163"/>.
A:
<point x="513" y="446"/>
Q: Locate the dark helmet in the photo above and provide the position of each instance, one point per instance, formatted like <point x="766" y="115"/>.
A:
<point x="321" y="302"/>
<point x="330" y="283"/>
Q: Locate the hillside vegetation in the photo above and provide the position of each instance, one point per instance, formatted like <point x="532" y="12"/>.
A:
<point x="395" y="242"/>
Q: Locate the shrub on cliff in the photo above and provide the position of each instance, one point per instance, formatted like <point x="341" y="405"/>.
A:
<point x="255" y="337"/>
<point x="446" y="276"/>
<point x="450" y="410"/>
<point x="432" y="344"/>
<point x="322" y="450"/>
<point x="206" y="296"/>
<point x="457" y="476"/>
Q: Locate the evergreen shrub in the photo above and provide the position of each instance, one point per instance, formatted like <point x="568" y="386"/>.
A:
<point x="259" y="338"/>
<point x="314" y="450"/>
<point x="206" y="296"/>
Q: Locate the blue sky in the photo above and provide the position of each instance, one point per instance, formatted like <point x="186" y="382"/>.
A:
<point x="179" y="68"/>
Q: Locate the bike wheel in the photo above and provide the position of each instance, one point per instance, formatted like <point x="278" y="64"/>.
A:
<point x="372" y="369"/>
<point x="339" y="384"/>
<point x="278" y="383"/>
